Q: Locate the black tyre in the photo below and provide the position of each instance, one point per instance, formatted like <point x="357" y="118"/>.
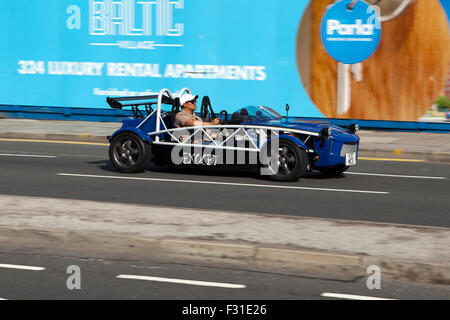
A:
<point x="291" y="162"/>
<point x="129" y="153"/>
<point x="334" y="171"/>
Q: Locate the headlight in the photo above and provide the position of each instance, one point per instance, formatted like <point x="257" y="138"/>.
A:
<point x="353" y="127"/>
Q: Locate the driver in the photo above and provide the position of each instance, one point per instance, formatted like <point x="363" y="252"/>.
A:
<point x="186" y="117"/>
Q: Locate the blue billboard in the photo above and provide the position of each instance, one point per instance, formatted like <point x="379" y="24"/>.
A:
<point x="75" y="53"/>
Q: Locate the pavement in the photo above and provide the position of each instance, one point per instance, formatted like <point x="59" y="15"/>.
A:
<point x="253" y="241"/>
<point x="282" y="244"/>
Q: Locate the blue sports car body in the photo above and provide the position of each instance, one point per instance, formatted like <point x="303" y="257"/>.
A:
<point x="253" y="136"/>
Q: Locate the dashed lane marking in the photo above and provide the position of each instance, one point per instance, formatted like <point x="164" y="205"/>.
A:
<point x="350" y="296"/>
<point x="25" y="155"/>
<point x="21" y="267"/>
<point x="222" y="183"/>
<point x="182" y="281"/>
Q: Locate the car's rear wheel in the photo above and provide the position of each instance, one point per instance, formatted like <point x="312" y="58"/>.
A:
<point x="335" y="170"/>
<point x="129" y="153"/>
<point x="290" y="161"/>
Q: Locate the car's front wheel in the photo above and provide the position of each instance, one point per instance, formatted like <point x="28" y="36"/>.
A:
<point x="289" y="162"/>
<point x="129" y="153"/>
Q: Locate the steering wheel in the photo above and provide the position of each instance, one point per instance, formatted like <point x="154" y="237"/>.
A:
<point x="224" y="112"/>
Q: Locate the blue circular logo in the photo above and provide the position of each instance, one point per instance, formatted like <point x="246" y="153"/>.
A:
<point x="351" y="35"/>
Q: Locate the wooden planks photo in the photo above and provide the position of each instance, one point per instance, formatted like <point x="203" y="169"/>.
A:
<point x="403" y="78"/>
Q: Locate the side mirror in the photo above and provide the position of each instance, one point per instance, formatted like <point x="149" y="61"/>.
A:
<point x="325" y="133"/>
<point x="287" y="112"/>
<point x="354" y="127"/>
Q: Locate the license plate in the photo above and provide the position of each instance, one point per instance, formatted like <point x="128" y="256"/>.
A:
<point x="350" y="159"/>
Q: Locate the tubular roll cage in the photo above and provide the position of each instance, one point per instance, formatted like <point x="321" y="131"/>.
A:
<point x="238" y="131"/>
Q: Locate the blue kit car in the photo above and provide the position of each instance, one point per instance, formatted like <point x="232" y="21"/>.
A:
<point x="251" y="137"/>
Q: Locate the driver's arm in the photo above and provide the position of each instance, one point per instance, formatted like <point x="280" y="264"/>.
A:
<point x="196" y="123"/>
<point x="215" y="121"/>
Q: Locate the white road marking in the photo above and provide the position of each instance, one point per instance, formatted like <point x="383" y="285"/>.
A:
<point x="182" y="281"/>
<point x="220" y="183"/>
<point x="25" y="155"/>
<point x="350" y="296"/>
<point x="15" y="266"/>
<point x="395" y="175"/>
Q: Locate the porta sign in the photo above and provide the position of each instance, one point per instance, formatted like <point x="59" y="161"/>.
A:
<point x="351" y="34"/>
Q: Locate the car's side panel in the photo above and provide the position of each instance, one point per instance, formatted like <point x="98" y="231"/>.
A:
<point x="140" y="133"/>
<point x="139" y="126"/>
<point x="295" y="140"/>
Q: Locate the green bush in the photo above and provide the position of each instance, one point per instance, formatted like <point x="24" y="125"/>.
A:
<point x="443" y="102"/>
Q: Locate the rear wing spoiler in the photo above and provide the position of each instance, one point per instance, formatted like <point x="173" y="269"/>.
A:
<point x="116" y="103"/>
<point x="163" y="97"/>
<point x="136" y="101"/>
